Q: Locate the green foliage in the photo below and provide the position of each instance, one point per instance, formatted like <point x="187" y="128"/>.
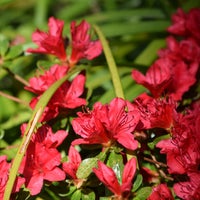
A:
<point x="134" y="29"/>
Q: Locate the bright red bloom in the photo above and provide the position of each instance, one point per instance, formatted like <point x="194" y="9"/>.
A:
<point x="157" y="78"/>
<point x="67" y="95"/>
<point x="51" y="42"/>
<point x="107" y="124"/>
<point x="82" y="46"/>
<point x="189" y="190"/>
<point x="40" y="84"/>
<point x="186" y="24"/>
<point x="162" y="78"/>
<point x="161" y="192"/>
<point x="181" y="85"/>
<point x="42" y="159"/>
<point x="183" y="149"/>
<point x="187" y="50"/>
<point x="74" y="160"/>
<point x="178" y="23"/>
<point x="4" y="172"/>
<point x="106" y="175"/>
<point x="155" y="113"/>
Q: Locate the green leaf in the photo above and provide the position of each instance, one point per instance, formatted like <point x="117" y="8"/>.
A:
<point x="2" y="2"/>
<point x="105" y="198"/>
<point x="8" y="108"/>
<point x="4" y="45"/>
<point x="128" y="14"/>
<point x="157" y="139"/>
<point x="150" y="53"/>
<point x="137" y="182"/>
<point x="85" y="168"/>
<point x="76" y="195"/>
<point x="143" y="193"/>
<point x="115" y="161"/>
<point x="88" y="195"/>
<point x="13" y="52"/>
<point x="16" y="119"/>
<point x="113" y="30"/>
<point x="69" y="192"/>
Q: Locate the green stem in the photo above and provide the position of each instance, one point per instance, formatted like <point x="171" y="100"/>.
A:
<point x="111" y="64"/>
<point x="42" y="103"/>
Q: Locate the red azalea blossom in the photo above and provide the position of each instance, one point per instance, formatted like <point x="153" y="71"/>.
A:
<point x="51" y="42"/>
<point x="155" y="113"/>
<point x="186" y="24"/>
<point x="42" y="159"/>
<point x="161" y="192"/>
<point x="67" y="95"/>
<point x="157" y="78"/>
<point x="4" y="171"/>
<point x="82" y="46"/>
<point x="189" y="190"/>
<point x="40" y="84"/>
<point x="106" y="175"/>
<point x="183" y="149"/>
<point x="107" y="124"/>
<point x="187" y="50"/>
<point x="74" y="160"/>
<point x="178" y="23"/>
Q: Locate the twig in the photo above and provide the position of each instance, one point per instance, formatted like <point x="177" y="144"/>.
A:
<point x="155" y="162"/>
<point x="17" y="77"/>
<point x="162" y="173"/>
<point x="13" y="98"/>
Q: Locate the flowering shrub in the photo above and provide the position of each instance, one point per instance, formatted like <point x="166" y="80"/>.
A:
<point x="146" y="148"/>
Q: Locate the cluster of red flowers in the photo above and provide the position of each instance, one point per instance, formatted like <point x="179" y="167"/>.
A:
<point x="119" y="123"/>
<point x="170" y="77"/>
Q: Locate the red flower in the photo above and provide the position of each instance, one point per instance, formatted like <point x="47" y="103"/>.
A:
<point x="187" y="50"/>
<point x="67" y="95"/>
<point x="161" y="78"/>
<point x="189" y="190"/>
<point x="154" y="113"/>
<point x="183" y="149"/>
<point x="186" y="24"/>
<point x="178" y="23"/>
<point x="4" y="171"/>
<point x="107" y="124"/>
<point x="42" y="159"/>
<point x="51" y="42"/>
<point x="157" y="77"/>
<point x="40" y="84"/>
<point x="74" y="160"/>
<point x="161" y="192"/>
<point x="179" y="86"/>
<point x="106" y="175"/>
<point x="82" y="46"/>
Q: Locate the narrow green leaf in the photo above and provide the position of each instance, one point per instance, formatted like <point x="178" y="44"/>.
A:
<point x="88" y="195"/>
<point x="111" y="63"/>
<point x="119" y="29"/>
<point x="143" y="193"/>
<point x="13" y="52"/>
<point x="137" y="182"/>
<point x="115" y="161"/>
<point x="4" y="44"/>
<point x="85" y="168"/>
<point x="150" y="53"/>
<point x="128" y="14"/>
<point x="76" y="195"/>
